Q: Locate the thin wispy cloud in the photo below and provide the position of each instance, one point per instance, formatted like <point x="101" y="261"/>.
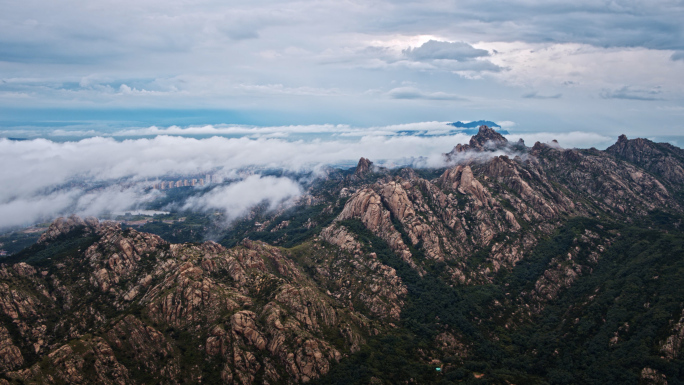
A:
<point x="632" y="93"/>
<point x="536" y="95"/>
<point x="414" y="93"/>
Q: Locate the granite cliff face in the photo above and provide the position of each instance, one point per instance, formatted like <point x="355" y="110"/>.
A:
<point x="464" y="260"/>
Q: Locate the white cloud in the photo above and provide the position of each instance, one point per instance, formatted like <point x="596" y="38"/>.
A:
<point x="554" y="66"/>
<point x="236" y="199"/>
<point x="32" y="209"/>
<point x="444" y="50"/>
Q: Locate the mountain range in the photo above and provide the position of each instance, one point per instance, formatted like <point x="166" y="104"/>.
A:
<point x="513" y="265"/>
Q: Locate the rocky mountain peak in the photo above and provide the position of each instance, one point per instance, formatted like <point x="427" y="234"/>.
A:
<point x="62" y="226"/>
<point x="538" y="148"/>
<point x="487" y="138"/>
<point x="363" y="167"/>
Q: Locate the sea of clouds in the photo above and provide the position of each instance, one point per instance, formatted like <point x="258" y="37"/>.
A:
<point x="44" y="178"/>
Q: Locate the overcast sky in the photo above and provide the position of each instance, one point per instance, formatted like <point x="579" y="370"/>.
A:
<point x="147" y="89"/>
<point x="600" y="66"/>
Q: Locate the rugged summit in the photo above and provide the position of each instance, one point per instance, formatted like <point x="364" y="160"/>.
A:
<point x="363" y="167"/>
<point x="63" y="226"/>
<point x="487" y="139"/>
<point x="662" y="159"/>
<point x="520" y="265"/>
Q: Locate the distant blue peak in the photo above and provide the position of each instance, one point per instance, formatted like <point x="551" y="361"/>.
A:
<point x="475" y="124"/>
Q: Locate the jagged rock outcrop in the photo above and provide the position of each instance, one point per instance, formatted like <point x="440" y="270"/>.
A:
<point x="487" y="139"/>
<point x="366" y="205"/>
<point x="618" y="188"/>
<point x="363" y="167"/>
<point x="338" y="235"/>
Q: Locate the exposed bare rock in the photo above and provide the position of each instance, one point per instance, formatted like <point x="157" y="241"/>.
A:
<point x="117" y="256"/>
<point x="366" y="205"/>
<point x="363" y="167"/>
<point x="244" y="326"/>
<point x="62" y="226"/>
<point x="24" y="269"/>
<point x="124" y="305"/>
<point x="614" y="186"/>
<point x="69" y="363"/>
<point x="17" y="304"/>
<point x="401" y="206"/>
<point x="487" y="138"/>
<point x="451" y="345"/>
<point x="338" y="235"/>
<point x="672" y="346"/>
<point x="653" y="377"/>
<point x="311" y="361"/>
<point x="352" y="276"/>
<point x="535" y="195"/>
<point x="564" y="270"/>
<point x="10" y="355"/>
<point x="449" y="227"/>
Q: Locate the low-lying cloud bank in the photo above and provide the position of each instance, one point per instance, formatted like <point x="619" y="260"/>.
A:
<point x="236" y="199"/>
<point x="43" y="179"/>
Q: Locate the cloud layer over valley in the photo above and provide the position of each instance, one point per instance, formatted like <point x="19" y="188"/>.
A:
<point x="46" y="178"/>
